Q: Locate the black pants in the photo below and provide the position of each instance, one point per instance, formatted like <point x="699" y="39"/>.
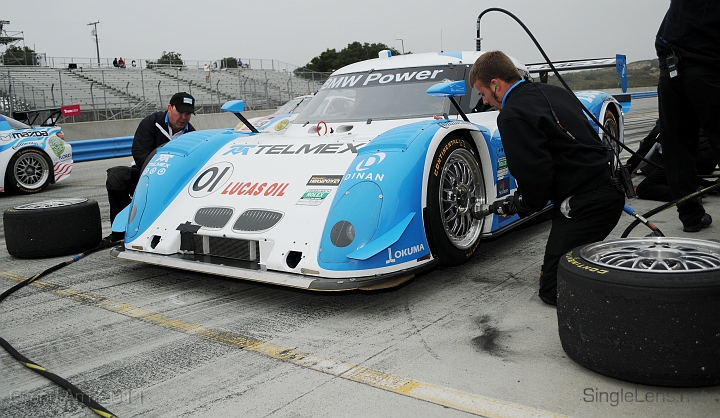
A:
<point x="120" y="184"/>
<point x="593" y="215"/>
<point x="687" y="103"/>
<point x="655" y="187"/>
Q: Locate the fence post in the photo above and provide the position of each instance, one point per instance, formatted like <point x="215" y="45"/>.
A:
<point x="142" y="82"/>
<point x="102" y="73"/>
<point x="178" y="79"/>
<point x="92" y="98"/>
<point x="10" y="93"/>
<point x="217" y="88"/>
<point x="159" y="95"/>
<point x="127" y="93"/>
<point x="62" y="100"/>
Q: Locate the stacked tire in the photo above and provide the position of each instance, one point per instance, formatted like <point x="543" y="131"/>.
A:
<point x="643" y="310"/>
<point x="52" y="228"/>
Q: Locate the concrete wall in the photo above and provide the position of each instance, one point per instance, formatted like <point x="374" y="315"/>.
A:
<point x="126" y="127"/>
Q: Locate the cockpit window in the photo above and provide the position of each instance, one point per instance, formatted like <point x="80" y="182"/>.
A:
<point x="385" y="94"/>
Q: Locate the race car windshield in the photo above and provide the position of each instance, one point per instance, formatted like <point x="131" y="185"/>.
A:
<point x="387" y="94"/>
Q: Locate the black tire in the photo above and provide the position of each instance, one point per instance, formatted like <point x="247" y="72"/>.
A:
<point x="610" y="122"/>
<point x="455" y="178"/>
<point x="52" y="228"/>
<point x="643" y="310"/>
<point x="29" y="171"/>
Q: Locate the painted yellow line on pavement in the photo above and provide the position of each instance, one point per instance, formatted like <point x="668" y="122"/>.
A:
<point x="451" y="398"/>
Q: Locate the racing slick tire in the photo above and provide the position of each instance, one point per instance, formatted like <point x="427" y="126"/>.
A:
<point x="52" y="228"/>
<point x="643" y="310"/>
<point x="610" y="123"/>
<point x="29" y="171"/>
<point x="455" y="179"/>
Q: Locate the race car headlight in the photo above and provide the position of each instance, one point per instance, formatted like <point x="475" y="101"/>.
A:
<point x="342" y="234"/>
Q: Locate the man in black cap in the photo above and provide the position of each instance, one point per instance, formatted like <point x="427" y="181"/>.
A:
<point x="155" y="130"/>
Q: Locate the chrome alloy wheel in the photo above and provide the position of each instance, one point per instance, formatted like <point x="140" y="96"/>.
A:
<point x="31" y="170"/>
<point x="460" y="182"/>
<point x="659" y="254"/>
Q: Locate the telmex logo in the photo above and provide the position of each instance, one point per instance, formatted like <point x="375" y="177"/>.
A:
<point x="368" y="162"/>
<point x="210" y="180"/>
<point x="334" y="148"/>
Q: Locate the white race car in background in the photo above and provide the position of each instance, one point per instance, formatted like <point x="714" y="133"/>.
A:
<point x="292" y="107"/>
<point x="372" y="182"/>
<point x="31" y="157"/>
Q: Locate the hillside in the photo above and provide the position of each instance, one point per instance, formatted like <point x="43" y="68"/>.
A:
<point x="641" y="74"/>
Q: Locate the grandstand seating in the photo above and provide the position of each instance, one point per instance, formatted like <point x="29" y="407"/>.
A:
<point x="112" y="93"/>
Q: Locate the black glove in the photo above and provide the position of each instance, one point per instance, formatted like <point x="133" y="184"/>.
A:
<point x="505" y="207"/>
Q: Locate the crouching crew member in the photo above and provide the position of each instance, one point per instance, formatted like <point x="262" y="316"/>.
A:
<point x="555" y="155"/>
<point x="155" y="130"/>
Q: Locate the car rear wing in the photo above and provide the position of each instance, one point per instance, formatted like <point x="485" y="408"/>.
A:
<point x="619" y="62"/>
<point x="46" y="117"/>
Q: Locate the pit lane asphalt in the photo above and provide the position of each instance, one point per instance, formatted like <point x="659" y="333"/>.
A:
<point x="151" y="341"/>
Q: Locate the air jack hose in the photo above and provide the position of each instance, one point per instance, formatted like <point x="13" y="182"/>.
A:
<point x="76" y="393"/>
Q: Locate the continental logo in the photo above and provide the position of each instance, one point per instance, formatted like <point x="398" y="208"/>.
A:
<point x="575" y="262"/>
<point x="441" y="156"/>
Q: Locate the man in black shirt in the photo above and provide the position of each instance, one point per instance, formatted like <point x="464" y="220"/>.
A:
<point x="688" y="48"/>
<point x="565" y="163"/>
<point x="155" y="130"/>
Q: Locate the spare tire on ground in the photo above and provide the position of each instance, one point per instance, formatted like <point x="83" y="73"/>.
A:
<point x="643" y="310"/>
<point x="52" y="228"/>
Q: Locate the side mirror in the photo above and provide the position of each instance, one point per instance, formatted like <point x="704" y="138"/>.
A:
<point x="448" y="89"/>
<point x="234" y="106"/>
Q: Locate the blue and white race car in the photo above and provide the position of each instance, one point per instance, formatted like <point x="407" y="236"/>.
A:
<point x="31" y="157"/>
<point x="373" y="182"/>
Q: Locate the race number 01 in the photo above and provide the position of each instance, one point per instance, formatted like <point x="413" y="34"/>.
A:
<point x="210" y="180"/>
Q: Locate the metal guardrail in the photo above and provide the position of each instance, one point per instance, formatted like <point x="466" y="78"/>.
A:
<point x="100" y="149"/>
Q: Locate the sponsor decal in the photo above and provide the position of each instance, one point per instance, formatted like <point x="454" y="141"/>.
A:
<point x="27" y="134"/>
<point x="70" y="110"/>
<point x="502" y="168"/>
<point x="503" y="187"/>
<point x="324" y="180"/>
<point x="159" y="164"/>
<point x="364" y="176"/>
<point x="313" y="197"/>
<point x="368" y="162"/>
<point x="57" y="145"/>
<point x="292" y="149"/>
<point x="65" y="156"/>
<point x="377" y="78"/>
<point x="208" y="181"/>
<point x="394" y="255"/>
<point x="5" y="137"/>
<point x="28" y="143"/>
<point x="255" y="188"/>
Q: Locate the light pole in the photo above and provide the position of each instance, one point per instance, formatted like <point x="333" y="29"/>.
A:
<point x="402" y="43"/>
<point x="97" y="45"/>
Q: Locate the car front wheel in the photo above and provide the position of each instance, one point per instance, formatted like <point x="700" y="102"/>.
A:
<point x="455" y="183"/>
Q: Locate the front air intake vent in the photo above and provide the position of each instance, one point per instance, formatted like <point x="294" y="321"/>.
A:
<point x="213" y="218"/>
<point x="257" y="220"/>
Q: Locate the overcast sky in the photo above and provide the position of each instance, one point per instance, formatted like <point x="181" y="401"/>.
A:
<point x="296" y="31"/>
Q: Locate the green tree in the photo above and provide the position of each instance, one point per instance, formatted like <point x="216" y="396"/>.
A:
<point x="167" y="59"/>
<point x="229" y="62"/>
<point x="331" y="60"/>
<point x="19" y="56"/>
